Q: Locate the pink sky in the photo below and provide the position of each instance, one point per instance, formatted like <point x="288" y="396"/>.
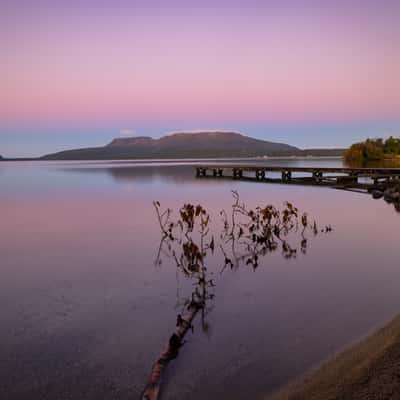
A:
<point x="300" y="61"/>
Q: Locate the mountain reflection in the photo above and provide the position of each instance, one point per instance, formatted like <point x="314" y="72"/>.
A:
<point x="140" y="173"/>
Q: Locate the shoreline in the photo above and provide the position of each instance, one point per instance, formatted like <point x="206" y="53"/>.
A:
<point x="167" y="160"/>
<point x="368" y="369"/>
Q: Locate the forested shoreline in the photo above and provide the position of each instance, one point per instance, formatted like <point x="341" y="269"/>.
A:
<point x="374" y="150"/>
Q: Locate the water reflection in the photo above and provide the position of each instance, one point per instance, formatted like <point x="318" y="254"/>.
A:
<point x="85" y="312"/>
<point x="395" y="163"/>
<point x="179" y="171"/>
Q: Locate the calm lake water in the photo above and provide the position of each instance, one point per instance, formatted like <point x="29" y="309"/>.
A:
<point x="85" y="311"/>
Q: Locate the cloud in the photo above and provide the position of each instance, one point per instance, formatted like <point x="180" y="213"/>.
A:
<point x="127" y="132"/>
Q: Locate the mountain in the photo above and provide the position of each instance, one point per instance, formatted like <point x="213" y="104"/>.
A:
<point x="179" y="145"/>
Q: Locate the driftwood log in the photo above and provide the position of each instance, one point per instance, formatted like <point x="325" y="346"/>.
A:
<point x="183" y="324"/>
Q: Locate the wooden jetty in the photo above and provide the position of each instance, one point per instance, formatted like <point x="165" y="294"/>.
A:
<point x="351" y="178"/>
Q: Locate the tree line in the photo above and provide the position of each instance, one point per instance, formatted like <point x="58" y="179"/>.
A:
<point x="374" y="149"/>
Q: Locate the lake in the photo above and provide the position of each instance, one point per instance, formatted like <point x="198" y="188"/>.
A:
<point x="85" y="311"/>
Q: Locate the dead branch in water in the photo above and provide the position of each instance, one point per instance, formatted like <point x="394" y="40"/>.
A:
<point x="248" y="235"/>
<point x="189" y="259"/>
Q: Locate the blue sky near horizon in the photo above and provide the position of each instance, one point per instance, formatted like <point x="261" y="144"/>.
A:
<point x="31" y="143"/>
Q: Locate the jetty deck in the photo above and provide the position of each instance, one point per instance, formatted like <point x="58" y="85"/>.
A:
<point x="342" y="177"/>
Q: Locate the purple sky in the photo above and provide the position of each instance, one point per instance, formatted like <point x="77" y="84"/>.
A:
<point x="310" y="73"/>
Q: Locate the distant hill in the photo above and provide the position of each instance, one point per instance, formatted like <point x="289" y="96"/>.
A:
<point x="338" y="152"/>
<point x="183" y="145"/>
<point x="179" y="145"/>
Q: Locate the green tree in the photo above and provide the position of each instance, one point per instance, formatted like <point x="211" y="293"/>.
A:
<point x="373" y="149"/>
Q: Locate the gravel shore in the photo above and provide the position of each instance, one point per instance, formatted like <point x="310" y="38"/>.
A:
<point x="368" y="370"/>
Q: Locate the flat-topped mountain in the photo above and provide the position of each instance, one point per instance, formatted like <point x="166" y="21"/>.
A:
<point x="180" y="145"/>
<point x="207" y="144"/>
